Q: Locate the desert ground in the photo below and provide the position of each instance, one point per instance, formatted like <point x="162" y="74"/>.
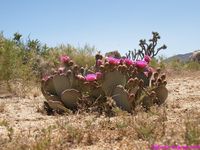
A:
<point x="24" y="125"/>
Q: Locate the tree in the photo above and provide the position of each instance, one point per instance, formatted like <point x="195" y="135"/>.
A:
<point x="146" y="48"/>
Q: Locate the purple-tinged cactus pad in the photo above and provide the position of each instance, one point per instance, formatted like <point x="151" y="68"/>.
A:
<point x="120" y="96"/>
<point x="161" y="94"/>
<point x="61" y="83"/>
<point x="70" y="98"/>
<point x="111" y="80"/>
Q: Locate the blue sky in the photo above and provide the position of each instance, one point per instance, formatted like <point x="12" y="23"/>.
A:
<point x="106" y="24"/>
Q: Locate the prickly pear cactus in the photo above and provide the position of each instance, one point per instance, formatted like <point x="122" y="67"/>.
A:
<point x="129" y="83"/>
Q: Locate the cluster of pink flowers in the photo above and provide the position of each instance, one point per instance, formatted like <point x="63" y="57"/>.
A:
<point x="113" y="61"/>
<point x="143" y="64"/>
<point x="140" y="63"/>
<point x="128" y="62"/>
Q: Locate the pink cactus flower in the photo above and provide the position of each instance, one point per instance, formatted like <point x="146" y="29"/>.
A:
<point x="141" y="64"/>
<point x="99" y="62"/>
<point x="99" y="75"/>
<point x="121" y="61"/>
<point x="147" y="58"/>
<point x="113" y="61"/>
<point x="128" y="62"/>
<point x="64" y="59"/>
<point x="91" y="77"/>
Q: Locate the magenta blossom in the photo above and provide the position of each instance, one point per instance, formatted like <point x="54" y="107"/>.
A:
<point x="128" y="62"/>
<point x="64" y="59"/>
<point x="99" y="75"/>
<point x="99" y="62"/>
<point x="113" y="61"/>
<point x="121" y="61"/>
<point x="91" y="77"/>
<point x="141" y="64"/>
<point x="147" y="58"/>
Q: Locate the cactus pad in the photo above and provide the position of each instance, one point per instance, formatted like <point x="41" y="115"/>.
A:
<point x="161" y="94"/>
<point x="61" y="83"/>
<point x="70" y="98"/>
<point x="97" y="92"/>
<point x="120" y="96"/>
<point x="111" y="80"/>
<point x="56" y="105"/>
<point x="48" y="86"/>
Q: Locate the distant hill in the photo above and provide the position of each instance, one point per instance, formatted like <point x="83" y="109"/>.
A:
<point x="181" y="57"/>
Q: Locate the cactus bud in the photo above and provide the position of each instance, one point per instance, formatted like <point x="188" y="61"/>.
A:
<point x="106" y="65"/>
<point x="120" y="68"/>
<point x="164" y="83"/>
<point x="153" y="94"/>
<point x="141" y="83"/>
<point x="153" y="81"/>
<point x="98" y="56"/>
<point x="61" y="70"/>
<point x="155" y="75"/>
<point x="159" y="81"/>
<point x="158" y="70"/>
<point x="75" y="68"/>
<point x="71" y="63"/>
<point x="124" y="68"/>
<point x="102" y="68"/>
<point x="82" y="70"/>
<point x="80" y="77"/>
<point x="69" y="72"/>
<point x="163" y="77"/>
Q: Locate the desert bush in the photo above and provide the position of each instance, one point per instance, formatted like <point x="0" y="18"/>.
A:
<point x="193" y="66"/>
<point x="158" y="63"/>
<point x="12" y="65"/>
<point x="176" y="65"/>
<point x="26" y="62"/>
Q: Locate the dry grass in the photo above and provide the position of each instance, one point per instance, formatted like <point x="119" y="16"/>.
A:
<point x="2" y="107"/>
<point x="23" y="126"/>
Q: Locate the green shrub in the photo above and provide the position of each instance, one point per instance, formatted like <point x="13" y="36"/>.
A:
<point x="176" y="65"/>
<point x="25" y="61"/>
<point x="193" y="66"/>
<point x="155" y="63"/>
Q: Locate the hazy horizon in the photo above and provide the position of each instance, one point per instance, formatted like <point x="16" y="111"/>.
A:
<point x="107" y="25"/>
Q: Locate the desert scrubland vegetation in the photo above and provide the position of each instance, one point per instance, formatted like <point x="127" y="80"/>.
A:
<point x="26" y="124"/>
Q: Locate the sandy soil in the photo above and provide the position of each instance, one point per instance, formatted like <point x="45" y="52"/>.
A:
<point x="22" y="116"/>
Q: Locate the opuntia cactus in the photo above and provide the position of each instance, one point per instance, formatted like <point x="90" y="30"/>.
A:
<point x="128" y="83"/>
